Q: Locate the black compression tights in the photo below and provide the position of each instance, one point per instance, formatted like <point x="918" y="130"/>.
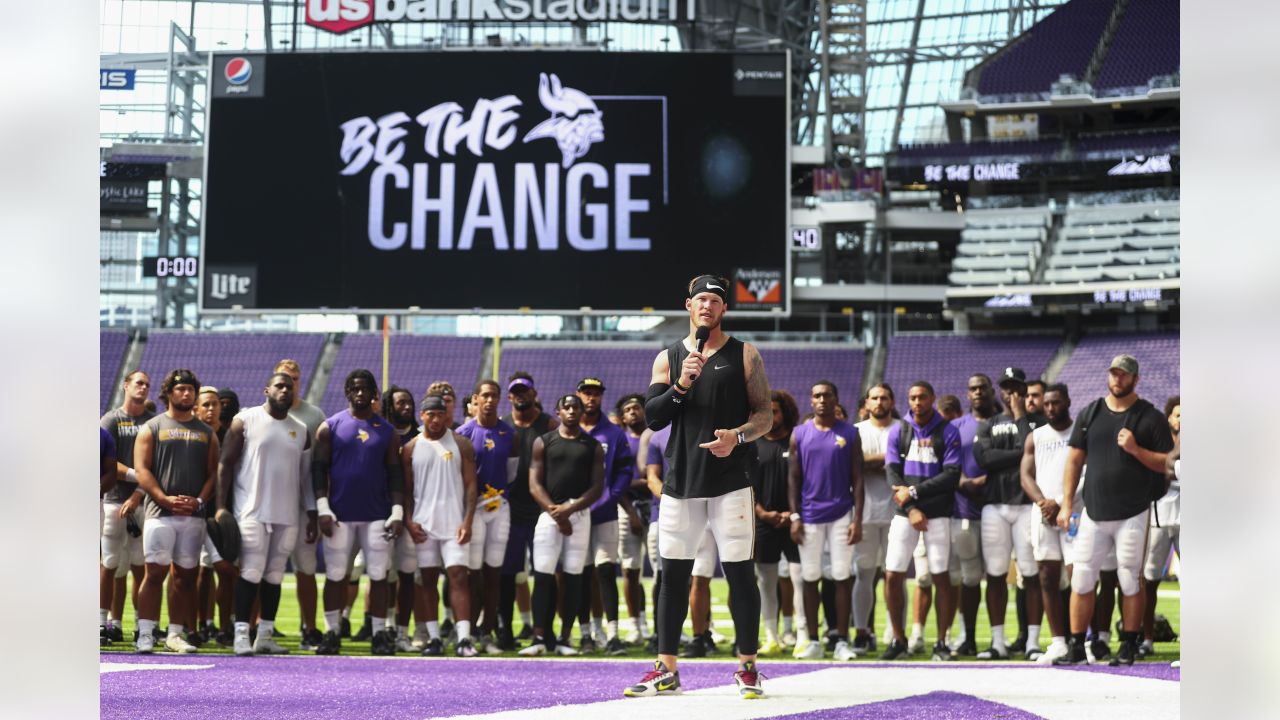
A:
<point x="270" y="600"/>
<point x="673" y="604"/>
<point x="744" y="604"/>
<point x="608" y="590"/>
<point x="506" y="600"/>
<point x="246" y="594"/>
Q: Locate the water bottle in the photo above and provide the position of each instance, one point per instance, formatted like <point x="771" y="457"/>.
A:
<point x="1074" y="525"/>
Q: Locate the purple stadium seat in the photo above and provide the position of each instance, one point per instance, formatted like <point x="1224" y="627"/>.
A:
<point x="240" y="361"/>
<point x="112" y="346"/>
<point x="797" y="369"/>
<point x="1159" y="366"/>
<point x="947" y="361"/>
<point x="1145" y="44"/>
<point x="416" y="362"/>
<point x="1063" y="42"/>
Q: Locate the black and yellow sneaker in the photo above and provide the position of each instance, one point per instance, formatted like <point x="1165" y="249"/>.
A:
<point x="658" y="681"/>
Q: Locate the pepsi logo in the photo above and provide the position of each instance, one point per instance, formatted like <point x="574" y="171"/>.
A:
<point x="237" y="71"/>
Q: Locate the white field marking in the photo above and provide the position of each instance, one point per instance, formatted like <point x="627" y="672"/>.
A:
<point x="104" y="668"/>
<point x="1065" y="695"/>
<point x="1169" y="594"/>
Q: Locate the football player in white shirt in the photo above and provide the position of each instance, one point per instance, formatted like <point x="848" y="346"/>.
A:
<point x="1165" y="533"/>
<point x="1044" y="460"/>
<point x="260" y="474"/>
<point x="869" y="554"/>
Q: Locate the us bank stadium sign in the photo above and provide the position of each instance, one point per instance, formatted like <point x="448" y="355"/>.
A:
<point x="340" y="16"/>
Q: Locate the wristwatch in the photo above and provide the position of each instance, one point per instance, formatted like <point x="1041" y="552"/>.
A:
<point x="914" y="495"/>
<point x="795" y="517"/>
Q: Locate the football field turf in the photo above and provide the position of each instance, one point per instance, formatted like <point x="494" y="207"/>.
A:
<point x="287" y="622"/>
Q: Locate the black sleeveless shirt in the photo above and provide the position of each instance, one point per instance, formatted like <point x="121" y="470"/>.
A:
<point x="523" y="507"/>
<point x="717" y="401"/>
<point x="569" y="464"/>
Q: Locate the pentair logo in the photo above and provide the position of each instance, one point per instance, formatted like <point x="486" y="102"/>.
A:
<point x="238" y="71"/>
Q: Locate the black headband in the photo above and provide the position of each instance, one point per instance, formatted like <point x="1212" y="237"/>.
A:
<point x="711" y="284"/>
<point x="433" y="402"/>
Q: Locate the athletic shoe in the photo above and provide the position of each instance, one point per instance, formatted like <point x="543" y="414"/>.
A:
<point x="651" y="645"/>
<point x="267" y="645"/>
<point x="994" y="653"/>
<point x="311" y="639"/>
<point x="565" y="649"/>
<point x="225" y="639"/>
<point x="433" y="648"/>
<point x="145" y="644"/>
<point x="1033" y="653"/>
<point x="1019" y="643"/>
<point x="1053" y="653"/>
<point x="942" y="653"/>
<point x="715" y="637"/>
<point x="1127" y="653"/>
<point x="1145" y="649"/>
<point x="696" y="648"/>
<point x="344" y="628"/>
<point x="115" y="633"/>
<point x="968" y="648"/>
<point x="195" y="639"/>
<point x="1098" y="651"/>
<point x="895" y="650"/>
<point x="446" y="629"/>
<point x="404" y="644"/>
<point x="487" y="645"/>
<point x="769" y="649"/>
<point x="586" y="647"/>
<point x="464" y="648"/>
<point x="366" y="631"/>
<point x="658" y="681"/>
<point x="829" y="642"/>
<point x="382" y="643"/>
<point x="178" y="644"/>
<point x="843" y="651"/>
<point x="242" y="645"/>
<point x="788" y="639"/>
<point x="709" y="641"/>
<point x="1075" y="655"/>
<point x="748" y="680"/>
<point x="506" y="641"/>
<point x="811" y="650"/>
<point x="330" y="645"/>
<point x="526" y="634"/>
<point x="861" y="645"/>
<point x="615" y="648"/>
<point x="916" y="646"/>
<point x="102" y="636"/>
<point x="537" y="647"/>
<point x="872" y="646"/>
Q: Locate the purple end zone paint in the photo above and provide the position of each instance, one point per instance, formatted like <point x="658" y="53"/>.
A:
<point x="939" y="705"/>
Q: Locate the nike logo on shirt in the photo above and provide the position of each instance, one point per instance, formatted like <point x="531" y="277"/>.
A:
<point x="720" y="367"/>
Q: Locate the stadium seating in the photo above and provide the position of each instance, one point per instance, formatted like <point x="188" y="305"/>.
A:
<point x="240" y="361"/>
<point x="557" y="367"/>
<point x="416" y="362"/>
<point x="795" y="370"/>
<point x="947" y="361"/>
<point x="1158" y="363"/>
<point x="1063" y="42"/>
<point x="1139" y="241"/>
<point x="1145" y="44"/>
<point x="1040" y="149"/>
<point x="1000" y="247"/>
<point x="1117" y="145"/>
<point x="112" y="346"/>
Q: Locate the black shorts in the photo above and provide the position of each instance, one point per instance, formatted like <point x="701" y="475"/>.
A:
<point x="772" y="543"/>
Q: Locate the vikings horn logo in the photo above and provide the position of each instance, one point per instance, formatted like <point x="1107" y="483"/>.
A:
<point x="575" y="120"/>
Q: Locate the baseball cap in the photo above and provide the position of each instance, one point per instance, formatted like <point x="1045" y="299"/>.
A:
<point x="518" y="383"/>
<point x="1127" y="363"/>
<point x="1013" y="375"/>
<point x="590" y="383"/>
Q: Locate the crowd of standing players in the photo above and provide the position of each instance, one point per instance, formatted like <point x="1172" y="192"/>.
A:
<point x="394" y="489"/>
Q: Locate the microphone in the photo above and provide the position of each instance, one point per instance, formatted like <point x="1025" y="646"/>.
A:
<point x="702" y="335"/>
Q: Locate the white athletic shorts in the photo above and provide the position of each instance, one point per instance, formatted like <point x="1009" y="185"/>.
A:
<point x="1047" y="541"/>
<point x="869" y="554"/>
<point x="604" y="543"/>
<point x="209" y="555"/>
<point x="1159" y="543"/>
<point x="550" y="546"/>
<point x="903" y="539"/>
<point x="1094" y="540"/>
<point x="435" y="553"/>
<point x="966" y="552"/>
<point x="1006" y="531"/>
<point x="730" y="517"/>
<point x="304" y="553"/>
<point x="920" y="559"/>
<point x="406" y="553"/>
<point x="338" y="547"/>
<point x="651" y="540"/>
<point x="265" y="549"/>
<point x="173" y="539"/>
<point x="831" y="537"/>
<point x="630" y="545"/>
<point x="117" y="544"/>
<point x="704" y="562"/>
<point x="489" y="533"/>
